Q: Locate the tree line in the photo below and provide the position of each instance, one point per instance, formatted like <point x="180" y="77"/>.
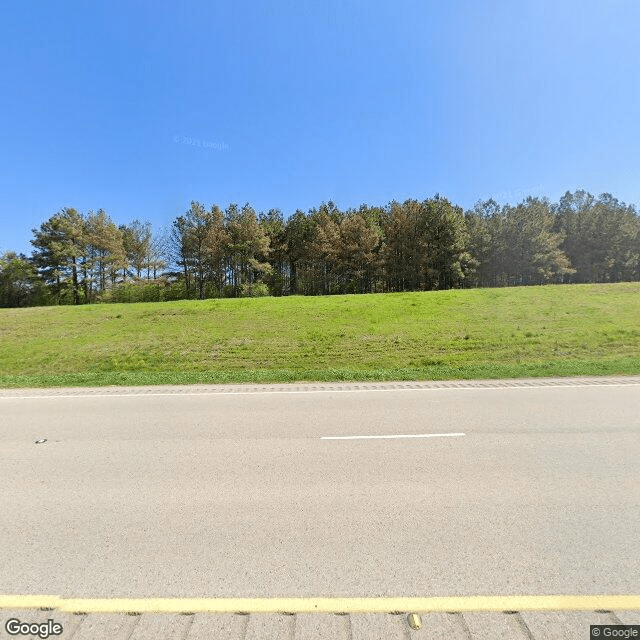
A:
<point x="409" y="246"/>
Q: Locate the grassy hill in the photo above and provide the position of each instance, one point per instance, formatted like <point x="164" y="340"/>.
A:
<point x="559" y="330"/>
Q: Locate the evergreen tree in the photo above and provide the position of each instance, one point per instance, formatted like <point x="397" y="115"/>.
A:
<point x="59" y="250"/>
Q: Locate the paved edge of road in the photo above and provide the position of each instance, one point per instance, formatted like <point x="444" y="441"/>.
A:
<point x="310" y="387"/>
<point x="325" y="605"/>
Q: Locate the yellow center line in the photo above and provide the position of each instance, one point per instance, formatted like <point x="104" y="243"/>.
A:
<point x="325" y="605"/>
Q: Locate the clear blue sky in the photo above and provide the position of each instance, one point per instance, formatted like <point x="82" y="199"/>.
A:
<point x="295" y="102"/>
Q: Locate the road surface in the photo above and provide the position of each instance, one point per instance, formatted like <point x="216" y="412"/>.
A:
<point x="322" y="490"/>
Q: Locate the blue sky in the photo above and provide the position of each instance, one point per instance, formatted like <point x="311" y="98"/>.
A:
<point x="139" y="107"/>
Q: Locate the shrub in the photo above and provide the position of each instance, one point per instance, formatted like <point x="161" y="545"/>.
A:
<point x="254" y="290"/>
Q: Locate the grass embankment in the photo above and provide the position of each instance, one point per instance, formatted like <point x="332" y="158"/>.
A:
<point x="561" y="330"/>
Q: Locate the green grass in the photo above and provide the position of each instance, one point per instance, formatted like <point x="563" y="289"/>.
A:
<point x="561" y="330"/>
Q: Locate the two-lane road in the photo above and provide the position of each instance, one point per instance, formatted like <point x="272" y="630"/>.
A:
<point x="529" y="487"/>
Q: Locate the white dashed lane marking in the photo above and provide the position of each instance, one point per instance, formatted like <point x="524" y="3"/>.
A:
<point x="412" y="435"/>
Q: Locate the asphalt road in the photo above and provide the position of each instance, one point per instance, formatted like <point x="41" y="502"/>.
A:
<point x="236" y="491"/>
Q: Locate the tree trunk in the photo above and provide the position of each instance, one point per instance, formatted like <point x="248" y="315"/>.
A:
<point x="76" y="293"/>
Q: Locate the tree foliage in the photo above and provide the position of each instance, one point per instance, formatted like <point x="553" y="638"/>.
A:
<point x="20" y="283"/>
<point x="602" y="237"/>
<point x="409" y="246"/>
